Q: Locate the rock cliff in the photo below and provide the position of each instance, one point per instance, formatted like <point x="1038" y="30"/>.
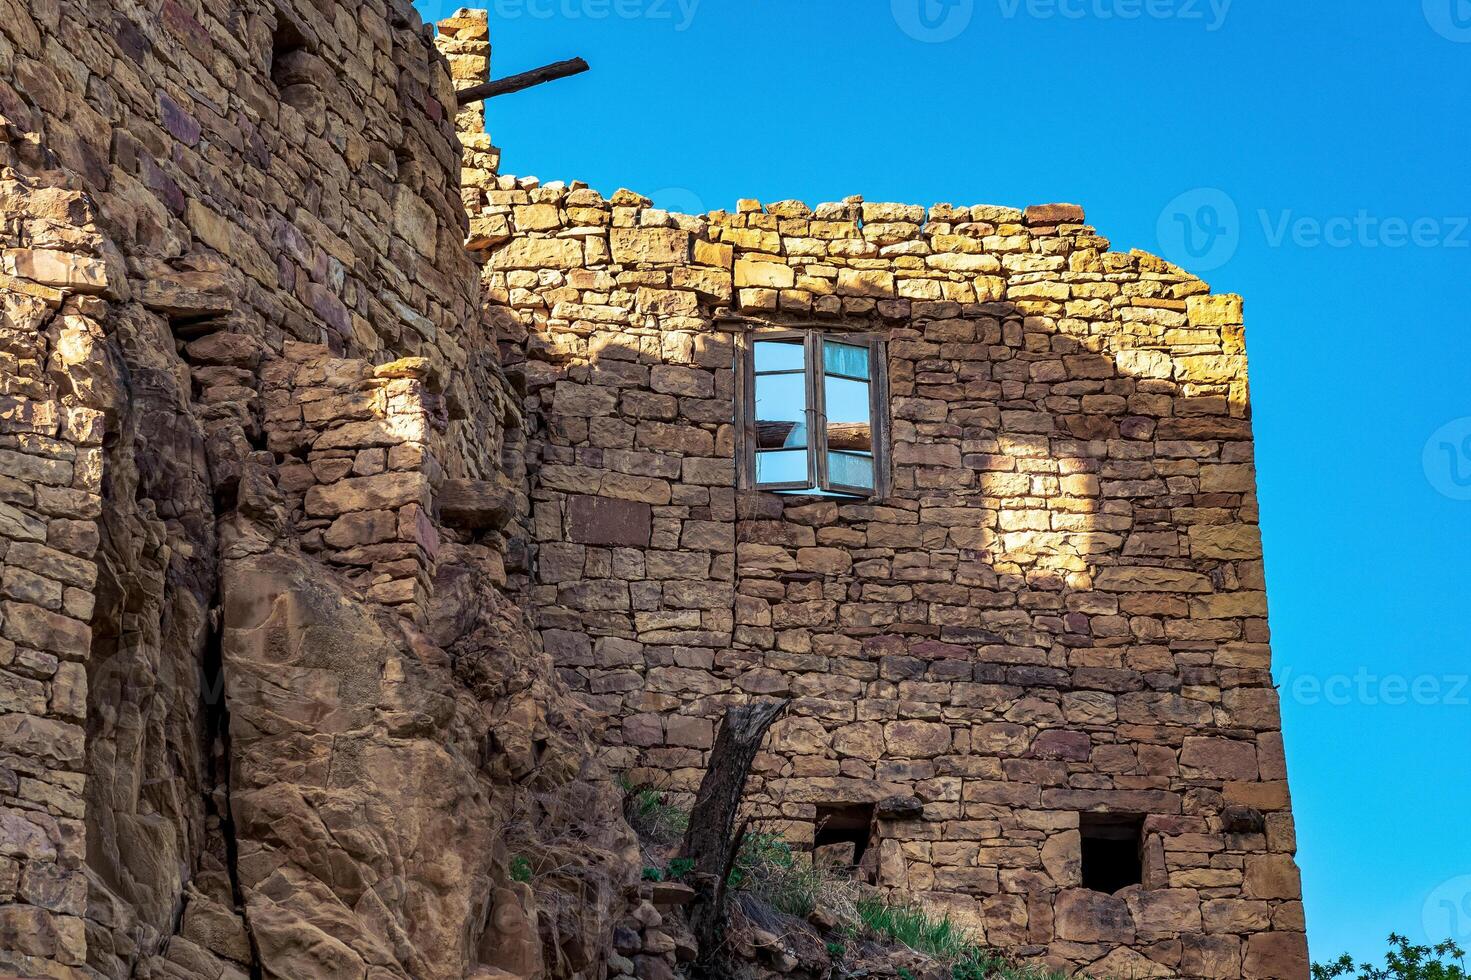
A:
<point x="269" y="702"/>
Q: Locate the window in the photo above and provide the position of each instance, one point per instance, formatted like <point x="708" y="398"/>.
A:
<point x="842" y="835"/>
<point x="813" y="413"/>
<point x="286" y="42"/>
<point x="1113" y="851"/>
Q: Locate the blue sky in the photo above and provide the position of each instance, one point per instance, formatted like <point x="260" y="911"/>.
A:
<point x="1312" y="156"/>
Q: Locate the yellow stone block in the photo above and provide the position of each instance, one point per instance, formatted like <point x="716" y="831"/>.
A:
<point x="865" y="282"/>
<point x="764" y="274"/>
<point x="1215" y="311"/>
<point x="714" y="254"/>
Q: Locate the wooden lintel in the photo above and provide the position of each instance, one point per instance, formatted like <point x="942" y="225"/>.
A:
<point x="525" y="80"/>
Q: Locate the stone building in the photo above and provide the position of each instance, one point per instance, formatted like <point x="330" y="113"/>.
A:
<point x="1012" y="579"/>
<point x="269" y="704"/>
<point x="318" y="539"/>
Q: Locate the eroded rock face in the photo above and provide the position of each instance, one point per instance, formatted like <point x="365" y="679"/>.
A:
<point x="266" y="707"/>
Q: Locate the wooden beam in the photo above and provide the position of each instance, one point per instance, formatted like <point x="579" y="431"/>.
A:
<point x="525" y="80"/>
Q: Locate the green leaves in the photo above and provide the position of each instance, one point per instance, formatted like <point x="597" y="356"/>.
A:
<point x="1403" y="962"/>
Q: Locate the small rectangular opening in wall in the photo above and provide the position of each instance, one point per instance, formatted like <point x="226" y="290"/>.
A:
<point x="287" y="41"/>
<point x="843" y="834"/>
<point x="1113" y="850"/>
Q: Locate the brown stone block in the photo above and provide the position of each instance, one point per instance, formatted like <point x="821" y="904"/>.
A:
<point x="1054" y="214"/>
<point x="539" y="253"/>
<point x="1276" y="956"/>
<point x="1266" y="796"/>
<point x="609" y="521"/>
<point x="385" y="491"/>
<point x="40" y="629"/>
<point x="1151" y="579"/>
<point x="1272" y="876"/>
<point x="1092" y="917"/>
<point x="653" y="246"/>
<point x="1235" y="916"/>
<point x="1219" y="758"/>
<point x="1213" y="957"/>
<point x="1164" y="913"/>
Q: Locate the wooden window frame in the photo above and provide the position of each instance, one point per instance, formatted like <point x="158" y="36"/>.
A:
<point x="818" y="478"/>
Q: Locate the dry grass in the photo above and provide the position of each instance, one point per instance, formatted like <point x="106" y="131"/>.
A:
<point x="769" y="869"/>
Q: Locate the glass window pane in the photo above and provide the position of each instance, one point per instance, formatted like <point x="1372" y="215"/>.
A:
<point x="781" y="411"/>
<point x="847" y="401"/>
<point x="780" y="355"/>
<point x="849" y="426"/>
<point x="845" y="359"/>
<point x="785" y="466"/>
<point x="850" y="470"/>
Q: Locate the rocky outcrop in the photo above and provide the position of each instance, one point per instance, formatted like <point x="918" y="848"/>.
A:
<point x="270" y="704"/>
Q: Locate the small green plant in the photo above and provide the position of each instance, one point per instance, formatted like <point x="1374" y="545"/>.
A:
<point x="767" y="867"/>
<point x="520" y="869"/>
<point x="943" y="939"/>
<point x="980" y="965"/>
<point x="654" y="818"/>
<point x="905" y="974"/>
<point x="917" y="929"/>
<point x="1403" y="962"/>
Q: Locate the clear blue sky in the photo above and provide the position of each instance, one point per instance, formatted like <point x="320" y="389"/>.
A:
<point x="1311" y="156"/>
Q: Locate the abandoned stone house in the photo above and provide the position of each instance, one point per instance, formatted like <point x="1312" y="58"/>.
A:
<point x="331" y="549"/>
<point x="972" y="490"/>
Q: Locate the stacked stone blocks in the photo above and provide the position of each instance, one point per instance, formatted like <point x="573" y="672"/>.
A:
<point x="1059" y="610"/>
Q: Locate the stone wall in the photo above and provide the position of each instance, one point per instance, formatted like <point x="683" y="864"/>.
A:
<point x="269" y="703"/>
<point x="1058" y="609"/>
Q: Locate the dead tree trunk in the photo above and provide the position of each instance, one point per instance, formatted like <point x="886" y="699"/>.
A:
<point x="710" y="841"/>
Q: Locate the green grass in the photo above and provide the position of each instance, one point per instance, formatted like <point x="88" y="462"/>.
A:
<point x="941" y="938"/>
<point x="915" y="928"/>
<point x="770" y="869"/>
<point x="655" y="819"/>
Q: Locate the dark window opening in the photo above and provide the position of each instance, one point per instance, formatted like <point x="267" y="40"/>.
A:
<point x="287" y="40"/>
<point x="844" y="831"/>
<point x="1113" y="851"/>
